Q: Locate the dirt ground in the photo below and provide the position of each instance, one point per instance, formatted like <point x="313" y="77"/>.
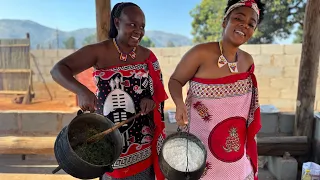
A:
<point x="67" y="104"/>
<point x="39" y="105"/>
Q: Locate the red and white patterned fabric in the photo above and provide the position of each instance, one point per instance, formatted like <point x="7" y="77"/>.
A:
<point x="119" y="91"/>
<point x="224" y="113"/>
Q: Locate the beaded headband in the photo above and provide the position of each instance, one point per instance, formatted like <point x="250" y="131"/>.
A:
<point x="247" y="3"/>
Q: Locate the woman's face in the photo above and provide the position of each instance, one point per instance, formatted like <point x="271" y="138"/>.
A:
<point x="240" y="25"/>
<point x="130" y="25"/>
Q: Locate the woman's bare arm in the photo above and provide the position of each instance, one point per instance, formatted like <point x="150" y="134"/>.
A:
<point x="185" y="70"/>
<point x="63" y="72"/>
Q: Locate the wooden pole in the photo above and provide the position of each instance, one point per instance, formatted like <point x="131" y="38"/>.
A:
<point x="103" y="9"/>
<point x="308" y="72"/>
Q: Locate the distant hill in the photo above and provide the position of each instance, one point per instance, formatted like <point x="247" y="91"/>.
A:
<point x="161" y="38"/>
<point x="44" y="36"/>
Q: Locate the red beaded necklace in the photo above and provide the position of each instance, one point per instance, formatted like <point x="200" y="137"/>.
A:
<point x="124" y="56"/>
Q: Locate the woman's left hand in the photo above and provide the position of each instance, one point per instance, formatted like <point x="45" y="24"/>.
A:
<point x="146" y="105"/>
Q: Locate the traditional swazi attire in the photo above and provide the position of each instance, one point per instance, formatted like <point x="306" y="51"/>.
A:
<point x="224" y="113"/>
<point x="120" y="90"/>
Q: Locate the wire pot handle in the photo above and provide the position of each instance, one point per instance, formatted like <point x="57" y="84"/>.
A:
<point x="183" y="128"/>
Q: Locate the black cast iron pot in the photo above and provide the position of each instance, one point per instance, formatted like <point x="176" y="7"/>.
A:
<point x="70" y="162"/>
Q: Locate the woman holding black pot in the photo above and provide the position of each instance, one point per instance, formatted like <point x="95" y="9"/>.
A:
<point x="129" y="81"/>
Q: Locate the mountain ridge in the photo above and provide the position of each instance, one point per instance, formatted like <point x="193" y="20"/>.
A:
<point x="44" y="36"/>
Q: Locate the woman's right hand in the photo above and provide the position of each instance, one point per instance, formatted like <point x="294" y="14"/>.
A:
<point x="87" y="100"/>
<point x="181" y="115"/>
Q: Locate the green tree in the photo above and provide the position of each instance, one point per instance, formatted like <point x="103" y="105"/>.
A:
<point x="90" y="39"/>
<point x="70" y="43"/>
<point x="298" y="35"/>
<point x="146" y="42"/>
<point x="207" y="20"/>
<point x="280" y="17"/>
<point x="170" y="44"/>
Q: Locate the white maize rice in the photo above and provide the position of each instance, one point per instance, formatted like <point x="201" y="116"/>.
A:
<point x="175" y="154"/>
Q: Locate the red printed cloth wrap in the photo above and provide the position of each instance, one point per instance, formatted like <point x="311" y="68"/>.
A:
<point x="224" y="113"/>
<point x="119" y="91"/>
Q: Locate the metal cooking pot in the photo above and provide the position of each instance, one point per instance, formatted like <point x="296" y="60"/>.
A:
<point x="173" y="174"/>
<point x="70" y="162"/>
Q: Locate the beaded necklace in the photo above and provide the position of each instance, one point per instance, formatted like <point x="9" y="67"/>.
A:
<point x="222" y="61"/>
<point x="124" y="56"/>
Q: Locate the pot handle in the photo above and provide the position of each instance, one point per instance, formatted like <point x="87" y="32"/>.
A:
<point x="56" y="170"/>
<point x="183" y="128"/>
<point x="80" y="111"/>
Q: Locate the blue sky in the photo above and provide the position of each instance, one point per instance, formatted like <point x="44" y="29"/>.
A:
<point x="165" y="15"/>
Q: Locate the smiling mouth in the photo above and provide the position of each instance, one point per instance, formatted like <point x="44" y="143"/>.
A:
<point x="240" y="33"/>
<point x="135" y="38"/>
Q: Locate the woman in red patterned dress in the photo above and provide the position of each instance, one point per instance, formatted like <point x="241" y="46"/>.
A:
<point x="128" y="80"/>
<point x="222" y="106"/>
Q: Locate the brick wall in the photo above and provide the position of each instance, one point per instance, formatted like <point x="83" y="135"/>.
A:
<point x="42" y="62"/>
<point x="277" y="68"/>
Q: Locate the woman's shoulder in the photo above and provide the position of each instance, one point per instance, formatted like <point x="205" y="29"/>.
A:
<point x="203" y="52"/>
<point x="247" y="57"/>
<point x="205" y="49"/>
<point x="146" y="52"/>
<point x="97" y="47"/>
<point x="106" y="44"/>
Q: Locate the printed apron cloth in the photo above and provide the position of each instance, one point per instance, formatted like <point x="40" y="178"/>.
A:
<point x="224" y="113"/>
<point x="119" y="91"/>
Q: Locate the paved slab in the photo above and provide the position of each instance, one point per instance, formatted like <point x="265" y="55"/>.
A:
<point x="264" y="174"/>
<point x="34" y="167"/>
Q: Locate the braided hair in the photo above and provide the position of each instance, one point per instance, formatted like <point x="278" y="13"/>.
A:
<point x="115" y="13"/>
<point x="261" y="6"/>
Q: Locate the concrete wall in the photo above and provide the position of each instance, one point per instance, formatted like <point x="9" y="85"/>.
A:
<point x="277" y="124"/>
<point x="33" y="123"/>
<point x="277" y="68"/>
<point x="41" y="63"/>
<point x="50" y="123"/>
